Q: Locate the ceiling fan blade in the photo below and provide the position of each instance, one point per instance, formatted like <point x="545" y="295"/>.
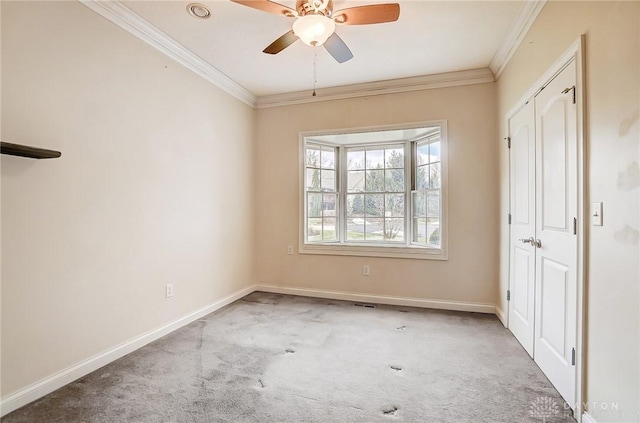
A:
<point x="337" y="48"/>
<point x="365" y="15"/>
<point x="268" y="6"/>
<point x="281" y="43"/>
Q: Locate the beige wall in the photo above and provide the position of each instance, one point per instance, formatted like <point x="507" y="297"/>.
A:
<point x="140" y="197"/>
<point x="470" y="274"/>
<point x="613" y="100"/>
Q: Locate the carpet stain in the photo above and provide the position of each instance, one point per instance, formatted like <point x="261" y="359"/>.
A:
<point x="289" y="351"/>
<point x="390" y="412"/>
<point x="201" y="325"/>
<point x="260" y="383"/>
<point x="401" y="328"/>
<point x="396" y="368"/>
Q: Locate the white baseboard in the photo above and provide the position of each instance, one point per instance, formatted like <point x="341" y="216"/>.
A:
<point x="379" y="299"/>
<point x="64" y="377"/>
<point x="588" y="418"/>
<point x="501" y="316"/>
<point x="58" y="380"/>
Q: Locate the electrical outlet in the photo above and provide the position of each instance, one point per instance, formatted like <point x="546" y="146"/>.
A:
<point x="366" y="270"/>
<point x="290" y="249"/>
<point x="168" y="290"/>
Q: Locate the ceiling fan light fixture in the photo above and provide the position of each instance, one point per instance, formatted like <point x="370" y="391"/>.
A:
<point x="314" y="30"/>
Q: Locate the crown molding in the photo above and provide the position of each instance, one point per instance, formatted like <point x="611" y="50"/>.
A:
<point x="127" y="19"/>
<point x="515" y="34"/>
<point x="427" y="82"/>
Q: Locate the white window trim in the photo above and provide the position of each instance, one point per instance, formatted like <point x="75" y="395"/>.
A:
<point x="371" y="250"/>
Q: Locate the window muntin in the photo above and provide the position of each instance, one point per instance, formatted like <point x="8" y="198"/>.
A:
<point x="381" y="198"/>
<point x="375" y="194"/>
<point x="321" y="193"/>
<point x="426" y="196"/>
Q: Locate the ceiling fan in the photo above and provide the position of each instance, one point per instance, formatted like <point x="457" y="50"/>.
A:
<point x="315" y="23"/>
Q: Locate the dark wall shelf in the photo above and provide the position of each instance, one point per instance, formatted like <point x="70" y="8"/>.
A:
<point x="26" y="151"/>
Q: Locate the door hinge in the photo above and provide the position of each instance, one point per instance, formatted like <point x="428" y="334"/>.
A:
<point x="508" y="295"/>
<point x="575" y="226"/>
<point x="573" y="356"/>
<point x="509" y="218"/>
<point x="573" y="95"/>
<point x="508" y="142"/>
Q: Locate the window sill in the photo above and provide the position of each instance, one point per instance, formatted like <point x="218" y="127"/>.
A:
<point x="360" y="250"/>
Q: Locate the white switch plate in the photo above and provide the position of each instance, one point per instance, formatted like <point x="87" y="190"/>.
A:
<point x="168" y="290"/>
<point x="290" y="249"/>
<point x="596" y="214"/>
<point x="366" y="270"/>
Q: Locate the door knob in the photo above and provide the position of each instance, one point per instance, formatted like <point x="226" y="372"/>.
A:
<point x="537" y="242"/>
<point x="530" y="240"/>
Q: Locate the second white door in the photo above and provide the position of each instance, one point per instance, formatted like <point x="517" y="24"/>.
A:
<point x="556" y="225"/>
<point x="543" y="246"/>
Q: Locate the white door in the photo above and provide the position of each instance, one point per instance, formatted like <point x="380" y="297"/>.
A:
<point x="523" y="219"/>
<point x="557" y="250"/>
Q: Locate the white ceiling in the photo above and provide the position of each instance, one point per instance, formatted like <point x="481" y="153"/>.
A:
<point x="431" y="37"/>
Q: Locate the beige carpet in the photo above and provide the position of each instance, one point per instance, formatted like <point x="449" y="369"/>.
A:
<point x="277" y="358"/>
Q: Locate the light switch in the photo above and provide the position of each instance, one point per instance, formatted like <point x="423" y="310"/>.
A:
<point x="596" y="214"/>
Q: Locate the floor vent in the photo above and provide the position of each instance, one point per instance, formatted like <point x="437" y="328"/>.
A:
<point x="365" y="305"/>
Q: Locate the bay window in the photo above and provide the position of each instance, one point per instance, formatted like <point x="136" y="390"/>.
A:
<point x="377" y="192"/>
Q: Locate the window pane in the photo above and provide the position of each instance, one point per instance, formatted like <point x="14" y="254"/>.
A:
<point x="422" y="177"/>
<point x="394" y="158"/>
<point x="434" y="175"/>
<point x="433" y="204"/>
<point x="355" y="205"/>
<point x="314" y="205"/>
<point x="328" y="158"/>
<point x="355" y="160"/>
<point x="376" y="189"/>
<point x="313" y="179"/>
<point x="394" y="205"/>
<point x="328" y="180"/>
<point x="314" y="229"/>
<point x="375" y="159"/>
<point x="373" y="229"/>
<point x="420" y="230"/>
<point x="394" y="180"/>
<point x="355" y="229"/>
<point x="419" y="204"/>
<point x="313" y="156"/>
<point x="374" y="182"/>
<point x="329" y="205"/>
<point x="329" y="229"/>
<point x="394" y="229"/>
<point x="433" y="231"/>
<point x="434" y="152"/>
<point x="374" y="205"/>
<point x="355" y="181"/>
<point x="423" y="153"/>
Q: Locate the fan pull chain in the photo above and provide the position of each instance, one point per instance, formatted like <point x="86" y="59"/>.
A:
<point x="315" y="70"/>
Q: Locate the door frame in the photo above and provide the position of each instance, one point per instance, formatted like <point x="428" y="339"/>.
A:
<point x="575" y="52"/>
